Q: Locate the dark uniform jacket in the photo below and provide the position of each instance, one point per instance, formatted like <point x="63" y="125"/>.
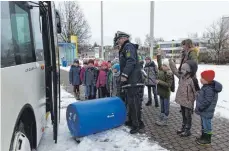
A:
<point x="129" y="64"/>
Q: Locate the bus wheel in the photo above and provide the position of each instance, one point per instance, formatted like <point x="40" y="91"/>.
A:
<point x="20" y="140"/>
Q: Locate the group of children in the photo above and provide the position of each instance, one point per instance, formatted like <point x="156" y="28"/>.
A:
<point x="160" y="80"/>
<point x="104" y="79"/>
<point x="101" y="79"/>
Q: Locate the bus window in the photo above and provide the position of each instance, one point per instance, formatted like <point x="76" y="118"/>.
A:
<point x="37" y="33"/>
<point x="7" y="48"/>
<point x="22" y="35"/>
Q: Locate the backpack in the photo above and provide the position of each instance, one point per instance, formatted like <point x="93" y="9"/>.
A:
<point x="172" y="87"/>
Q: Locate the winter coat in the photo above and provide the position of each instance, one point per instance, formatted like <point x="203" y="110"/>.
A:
<point x="90" y="76"/>
<point x="207" y="99"/>
<point x="129" y="64"/>
<point x="102" y="78"/>
<point x="82" y="72"/>
<point x="186" y="92"/>
<point x="165" y="80"/>
<point x="116" y="84"/>
<point x="74" y="75"/>
<point x="151" y="71"/>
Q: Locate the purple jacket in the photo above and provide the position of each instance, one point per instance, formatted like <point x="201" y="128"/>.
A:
<point x="102" y="79"/>
<point x="83" y="69"/>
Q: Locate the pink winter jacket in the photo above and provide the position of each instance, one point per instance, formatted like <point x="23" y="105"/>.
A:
<point x="102" y="79"/>
<point x="83" y="69"/>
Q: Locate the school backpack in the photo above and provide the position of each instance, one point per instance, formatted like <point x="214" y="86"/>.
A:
<point x="172" y="88"/>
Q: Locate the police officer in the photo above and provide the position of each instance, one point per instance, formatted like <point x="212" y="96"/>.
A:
<point x="131" y="77"/>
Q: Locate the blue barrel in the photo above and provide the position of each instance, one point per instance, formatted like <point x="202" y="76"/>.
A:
<point x="93" y="116"/>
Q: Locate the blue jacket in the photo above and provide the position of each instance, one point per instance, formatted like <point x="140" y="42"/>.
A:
<point x="90" y="76"/>
<point x="207" y="99"/>
<point x="74" y="75"/>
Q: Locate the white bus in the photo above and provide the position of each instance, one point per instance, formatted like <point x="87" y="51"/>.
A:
<point x="29" y="79"/>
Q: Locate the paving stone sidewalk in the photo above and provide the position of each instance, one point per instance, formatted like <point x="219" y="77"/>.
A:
<point x="166" y="136"/>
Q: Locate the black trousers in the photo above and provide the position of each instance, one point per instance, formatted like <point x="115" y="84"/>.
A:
<point x="154" y="89"/>
<point x="134" y="104"/>
<point x="76" y="88"/>
<point x="187" y="117"/>
<point x="103" y="92"/>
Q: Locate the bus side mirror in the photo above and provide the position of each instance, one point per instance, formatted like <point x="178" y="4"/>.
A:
<point x="58" y="22"/>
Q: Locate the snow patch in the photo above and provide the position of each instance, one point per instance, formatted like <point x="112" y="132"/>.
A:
<point x="117" y="139"/>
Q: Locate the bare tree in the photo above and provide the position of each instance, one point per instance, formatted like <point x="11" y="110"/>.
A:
<point x="138" y="41"/>
<point x="73" y="23"/>
<point x="155" y="41"/>
<point x="193" y="35"/>
<point x="218" y="34"/>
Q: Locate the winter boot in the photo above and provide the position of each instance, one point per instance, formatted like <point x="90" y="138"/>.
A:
<point x="181" y="130"/>
<point x="206" y="139"/>
<point x="142" y="125"/>
<point x="163" y="122"/>
<point x="78" y="96"/>
<point x="128" y="123"/>
<point x="156" y="104"/>
<point x="75" y="95"/>
<point x="201" y="136"/>
<point x="186" y="133"/>
<point x="149" y="103"/>
<point x="134" y="130"/>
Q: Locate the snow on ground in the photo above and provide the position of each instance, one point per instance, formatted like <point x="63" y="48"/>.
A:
<point x="117" y="139"/>
<point x="65" y="68"/>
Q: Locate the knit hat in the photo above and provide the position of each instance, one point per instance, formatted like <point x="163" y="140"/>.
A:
<point x="76" y="61"/>
<point x="208" y="75"/>
<point x="104" y="63"/>
<point x="193" y="66"/>
<point x="166" y="63"/>
<point x="90" y="61"/>
<point x="147" y="58"/>
<point x="116" y="66"/>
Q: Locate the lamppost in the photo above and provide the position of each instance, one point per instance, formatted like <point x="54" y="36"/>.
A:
<point x="102" y="29"/>
<point x="151" y="28"/>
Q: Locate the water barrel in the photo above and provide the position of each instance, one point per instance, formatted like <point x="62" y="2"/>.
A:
<point x="93" y="116"/>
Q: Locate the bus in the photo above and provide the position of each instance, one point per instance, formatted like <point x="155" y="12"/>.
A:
<point x="29" y="73"/>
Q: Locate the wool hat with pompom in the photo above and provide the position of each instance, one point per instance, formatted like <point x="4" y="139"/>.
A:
<point x="208" y="75"/>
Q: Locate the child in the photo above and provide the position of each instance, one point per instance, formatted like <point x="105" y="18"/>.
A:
<point x="205" y="104"/>
<point x="109" y="78"/>
<point x="164" y="82"/>
<point x="90" y="78"/>
<point x="186" y="93"/>
<point x="74" y="78"/>
<point x="101" y="84"/>
<point x="115" y="85"/>
<point x="82" y="72"/>
<point x="150" y="81"/>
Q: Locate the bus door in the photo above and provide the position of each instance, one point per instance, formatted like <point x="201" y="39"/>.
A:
<point x="49" y="35"/>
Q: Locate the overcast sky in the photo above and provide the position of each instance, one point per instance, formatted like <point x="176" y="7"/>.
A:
<point x="173" y="20"/>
